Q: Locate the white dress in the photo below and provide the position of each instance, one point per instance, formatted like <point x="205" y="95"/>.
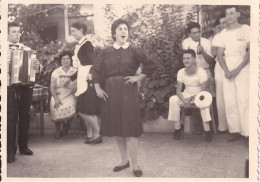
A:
<point x="64" y="89"/>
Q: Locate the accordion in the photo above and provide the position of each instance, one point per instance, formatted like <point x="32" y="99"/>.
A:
<point x="21" y="66"/>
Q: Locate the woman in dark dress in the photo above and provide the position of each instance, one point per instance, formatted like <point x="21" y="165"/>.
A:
<point x="116" y="67"/>
<point x="87" y="102"/>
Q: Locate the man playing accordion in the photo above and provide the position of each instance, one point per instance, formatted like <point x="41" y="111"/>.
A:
<point x="19" y="98"/>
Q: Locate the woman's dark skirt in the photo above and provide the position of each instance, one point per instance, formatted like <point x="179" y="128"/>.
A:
<point x="88" y="102"/>
<point x="120" y="113"/>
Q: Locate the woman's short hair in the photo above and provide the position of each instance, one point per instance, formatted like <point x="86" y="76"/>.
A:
<point x="80" y="25"/>
<point x="189" y="51"/>
<point x="64" y="53"/>
<point x="192" y="25"/>
<point x="116" y="24"/>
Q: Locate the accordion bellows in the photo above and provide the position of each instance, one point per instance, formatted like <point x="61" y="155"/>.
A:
<point x="20" y="66"/>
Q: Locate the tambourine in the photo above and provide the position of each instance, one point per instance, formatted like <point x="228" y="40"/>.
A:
<point x="203" y="99"/>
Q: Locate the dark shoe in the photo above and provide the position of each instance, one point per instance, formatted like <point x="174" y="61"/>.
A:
<point x="88" y="140"/>
<point x="138" y="173"/>
<point x="10" y="158"/>
<point x="233" y="137"/>
<point x="26" y="151"/>
<point x="208" y="136"/>
<point x="247" y="141"/>
<point x="177" y="134"/>
<point x="97" y="140"/>
<point x="119" y="168"/>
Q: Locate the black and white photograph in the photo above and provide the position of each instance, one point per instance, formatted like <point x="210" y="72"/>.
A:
<point x="129" y="91"/>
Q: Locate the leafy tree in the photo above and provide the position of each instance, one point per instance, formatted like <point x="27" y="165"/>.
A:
<point x="211" y="12"/>
<point x="158" y="30"/>
<point x="31" y="18"/>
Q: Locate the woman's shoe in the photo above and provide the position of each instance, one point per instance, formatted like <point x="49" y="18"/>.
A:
<point x="138" y="172"/>
<point x="88" y="140"/>
<point x="119" y="168"/>
<point x="97" y="140"/>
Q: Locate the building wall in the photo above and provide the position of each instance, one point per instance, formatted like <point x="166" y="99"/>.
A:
<point x="57" y="21"/>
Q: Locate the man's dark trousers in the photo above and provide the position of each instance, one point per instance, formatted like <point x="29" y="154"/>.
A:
<point x="19" y="99"/>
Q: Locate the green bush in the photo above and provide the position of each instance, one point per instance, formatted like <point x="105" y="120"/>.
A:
<point x="152" y="31"/>
<point x="157" y="29"/>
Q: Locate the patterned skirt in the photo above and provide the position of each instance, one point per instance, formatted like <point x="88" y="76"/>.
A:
<point x="67" y="109"/>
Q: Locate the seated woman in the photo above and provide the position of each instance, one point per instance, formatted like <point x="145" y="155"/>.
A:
<point x="63" y="101"/>
<point x="195" y="80"/>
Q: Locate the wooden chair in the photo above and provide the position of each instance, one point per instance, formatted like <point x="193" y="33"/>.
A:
<point x="194" y="107"/>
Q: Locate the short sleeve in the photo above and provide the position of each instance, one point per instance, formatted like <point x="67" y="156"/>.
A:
<point x="86" y="54"/>
<point x="180" y="75"/>
<point x="185" y="44"/>
<point x="221" y="39"/>
<point x="215" y="41"/>
<point x="207" y="46"/>
<point x="55" y="74"/>
<point x="246" y="29"/>
<point x="98" y="68"/>
<point x="202" y="75"/>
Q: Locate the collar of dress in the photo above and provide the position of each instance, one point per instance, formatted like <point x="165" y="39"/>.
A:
<point x="82" y="40"/>
<point x="125" y="46"/>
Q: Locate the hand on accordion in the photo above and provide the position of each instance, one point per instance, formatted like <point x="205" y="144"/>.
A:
<point x="36" y="65"/>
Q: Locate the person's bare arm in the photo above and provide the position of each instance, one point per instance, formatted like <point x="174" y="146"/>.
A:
<point x="54" y="93"/>
<point x="180" y="95"/>
<point x="222" y="62"/>
<point x="245" y="61"/>
<point x="214" y="51"/>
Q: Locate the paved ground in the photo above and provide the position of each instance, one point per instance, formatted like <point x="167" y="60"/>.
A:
<point x="159" y="156"/>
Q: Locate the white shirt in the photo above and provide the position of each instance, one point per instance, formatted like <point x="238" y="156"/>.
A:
<point x="215" y="40"/>
<point x="235" y="43"/>
<point x="18" y="45"/>
<point x="192" y="82"/>
<point x="188" y="43"/>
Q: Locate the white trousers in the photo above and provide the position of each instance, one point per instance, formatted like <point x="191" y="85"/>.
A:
<point x="236" y="95"/>
<point x="222" y="119"/>
<point x="174" y="112"/>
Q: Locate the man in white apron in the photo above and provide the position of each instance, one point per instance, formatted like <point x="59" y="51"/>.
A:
<point x="234" y="44"/>
<point x="19" y="99"/>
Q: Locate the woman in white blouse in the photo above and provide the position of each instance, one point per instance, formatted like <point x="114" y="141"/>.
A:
<point x="63" y="101"/>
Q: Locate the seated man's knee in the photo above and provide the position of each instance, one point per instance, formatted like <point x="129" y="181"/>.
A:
<point x="173" y="99"/>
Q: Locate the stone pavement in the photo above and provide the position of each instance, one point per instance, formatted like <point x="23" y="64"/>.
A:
<point x="159" y="156"/>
